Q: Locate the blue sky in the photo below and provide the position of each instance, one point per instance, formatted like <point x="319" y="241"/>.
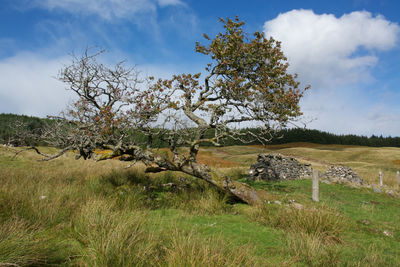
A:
<point x="348" y="51"/>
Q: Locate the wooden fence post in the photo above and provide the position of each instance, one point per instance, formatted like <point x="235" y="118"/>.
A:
<point x="315" y="186"/>
<point x="398" y="177"/>
<point x="380" y="178"/>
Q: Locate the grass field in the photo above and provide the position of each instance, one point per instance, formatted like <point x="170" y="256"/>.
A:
<point x="82" y="213"/>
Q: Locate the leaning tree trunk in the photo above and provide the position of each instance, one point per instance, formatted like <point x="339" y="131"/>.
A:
<point x="240" y="190"/>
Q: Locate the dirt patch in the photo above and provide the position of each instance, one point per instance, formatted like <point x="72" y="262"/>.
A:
<point x="288" y="145"/>
<point x="215" y="161"/>
<point x="396" y="161"/>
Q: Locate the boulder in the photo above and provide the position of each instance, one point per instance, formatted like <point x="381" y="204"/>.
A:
<point x="272" y="167"/>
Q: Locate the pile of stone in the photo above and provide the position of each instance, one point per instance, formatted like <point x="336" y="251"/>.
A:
<point x="273" y="167"/>
<point x="342" y="174"/>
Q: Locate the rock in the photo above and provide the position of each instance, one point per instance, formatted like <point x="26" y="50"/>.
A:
<point x="278" y="202"/>
<point x="374" y="230"/>
<point x="297" y="206"/>
<point x="376" y="189"/>
<point x="390" y="193"/>
<point x="42" y="197"/>
<point x="326" y="182"/>
<point x="387" y="233"/>
<point x="342" y="174"/>
<point x="366" y="222"/>
<point x="273" y="167"/>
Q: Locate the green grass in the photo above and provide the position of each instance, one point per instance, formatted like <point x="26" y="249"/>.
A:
<point x="82" y="213"/>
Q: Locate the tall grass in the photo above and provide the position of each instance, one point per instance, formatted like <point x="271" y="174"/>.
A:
<point x="313" y="235"/>
<point x="325" y="223"/>
<point x="111" y="237"/>
<point x="82" y="213"/>
<point x="370" y="258"/>
<point x="311" y="250"/>
<point x="190" y="249"/>
<point x="26" y="244"/>
<point x="134" y="189"/>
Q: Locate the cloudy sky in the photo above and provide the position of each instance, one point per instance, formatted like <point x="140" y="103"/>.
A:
<point x="347" y="50"/>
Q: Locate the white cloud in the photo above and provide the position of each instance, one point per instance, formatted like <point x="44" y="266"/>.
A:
<point x="325" y="50"/>
<point x="107" y="9"/>
<point x="336" y="57"/>
<point x="28" y="83"/>
<point x="347" y="110"/>
<point x="28" y="86"/>
<point x="164" y="3"/>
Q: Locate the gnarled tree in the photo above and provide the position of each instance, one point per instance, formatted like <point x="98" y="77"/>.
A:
<point x="246" y="83"/>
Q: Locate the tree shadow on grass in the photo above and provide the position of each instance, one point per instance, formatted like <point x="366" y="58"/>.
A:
<point x="271" y="186"/>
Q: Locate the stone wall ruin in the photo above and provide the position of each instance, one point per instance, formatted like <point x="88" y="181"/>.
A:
<point x="274" y="167"/>
<point x="342" y="174"/>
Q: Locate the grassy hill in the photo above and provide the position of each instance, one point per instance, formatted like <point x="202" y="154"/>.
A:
<point x="82" y="213"/>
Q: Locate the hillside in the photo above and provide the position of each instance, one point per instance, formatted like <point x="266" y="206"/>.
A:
<point x="69" y="213"/>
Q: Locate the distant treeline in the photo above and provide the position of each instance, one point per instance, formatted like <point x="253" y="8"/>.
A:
<point x="10" y="125"/>
<point x="320" y="137"/>
<point x="34" y="124"/>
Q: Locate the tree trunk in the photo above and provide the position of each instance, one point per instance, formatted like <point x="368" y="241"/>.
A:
<point x="242" y="191"/>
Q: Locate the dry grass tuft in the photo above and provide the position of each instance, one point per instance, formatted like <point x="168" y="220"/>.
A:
<point x="311" y="250"/>
<point x="111" y="237"/>
<point x="190" y="249"/>
<point x="26" y="244"/>
<point x="323" y="222"/>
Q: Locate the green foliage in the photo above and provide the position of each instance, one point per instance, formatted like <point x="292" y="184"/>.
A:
<point x="252" y="70"/>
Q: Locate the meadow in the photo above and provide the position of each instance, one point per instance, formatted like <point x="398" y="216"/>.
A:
<point x="70" y="212"/>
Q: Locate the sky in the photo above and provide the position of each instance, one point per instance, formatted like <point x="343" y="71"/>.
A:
<point x="348" y="51"/>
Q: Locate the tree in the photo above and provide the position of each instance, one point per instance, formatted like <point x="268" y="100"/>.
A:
<point x="245" y="83"/>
